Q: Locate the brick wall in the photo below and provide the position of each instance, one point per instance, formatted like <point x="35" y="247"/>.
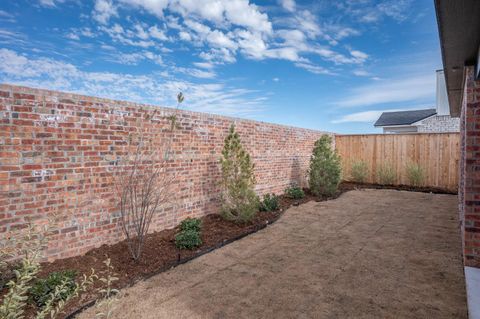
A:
<point x="57" y="151"/>
<point x="470" y="170"/>
<point x="439" y="124"/>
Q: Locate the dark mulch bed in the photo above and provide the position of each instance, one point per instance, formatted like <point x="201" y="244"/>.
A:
<point x="434" y="190"/>
<point x="160" y="252"/>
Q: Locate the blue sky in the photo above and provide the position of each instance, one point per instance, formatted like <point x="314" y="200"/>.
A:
<point x="329" y="65"/>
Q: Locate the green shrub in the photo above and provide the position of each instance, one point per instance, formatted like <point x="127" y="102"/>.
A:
<point x="415" y="174"/>
<point x="386" y="174"/>
<point x="188" y="239"/>
<point x="294" y="192"/>
<point x="191" y="224"/>
<point x="359" y="171"/>
<point x="42" y="289"/>
<point x="325" y="170"/>
<point x="269" y="203"/>
<point x="239" y="201"/>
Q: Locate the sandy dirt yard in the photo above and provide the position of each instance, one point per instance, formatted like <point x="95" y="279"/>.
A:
<point x="367" y="254"/>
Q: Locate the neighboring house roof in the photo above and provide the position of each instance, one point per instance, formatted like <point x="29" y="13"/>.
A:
<point x="403" y="117"/>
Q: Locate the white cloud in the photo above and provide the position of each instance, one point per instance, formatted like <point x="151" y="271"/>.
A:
<point x="72" y="36"/>
<point x="204" y="65"/>
<point x="137" y="57"/>
<point x="222" y="12"/>
<point x="359" y="55"/>
<point x="11" y="37"/>
<point x="314" y="68"/>
<point x="288" y="5"/>
<point x="221" y="29"/>
<point x="306" y="22"/>
<point x="218" y="56"/>
<point x="218" y="39"/>
<point x="197" y="73"/>
<point x="409" y="88"/>
<point x="50" y="3"/>
<point x="140" y="32"/>
<point x="361" y="72"/>
<point x="150" y="88"/>
<point x="128" y="37"/>
<point x="396" y="9"/>
<point x="369" y="11"/>
<point x="104" y="10"/>
<point x="6" y="16"/>
<point x="185" y="36"/>
<point x="157" y="33"/>
<point x="76" y="33"/>
<point x="355" y="57"/>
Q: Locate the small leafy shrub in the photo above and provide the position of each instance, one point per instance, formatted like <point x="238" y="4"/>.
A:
<point x="386" y="174"/>
<point x="42" y="289"/>
<point x="239" y="201"/>
<point x="359" y="171"/>
<point x="269" y="203"/>
<point x="325" y="170"/>
<point x="294" y="192"/>
<point x="29" y="245"/>
<point x="188" y="239"/>
<point x="415" y="174"/>
<point x="105" y="306"/>
<point x="191" y="224"/>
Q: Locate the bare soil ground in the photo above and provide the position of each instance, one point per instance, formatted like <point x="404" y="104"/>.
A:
<point x="367" y="254"/>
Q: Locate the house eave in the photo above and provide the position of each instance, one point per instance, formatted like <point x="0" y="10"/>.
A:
<point x="459" y="31"/>
<point x="394" y="125"/>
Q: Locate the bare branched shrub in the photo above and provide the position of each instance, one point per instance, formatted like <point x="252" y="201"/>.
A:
<point x="142" y="182"/>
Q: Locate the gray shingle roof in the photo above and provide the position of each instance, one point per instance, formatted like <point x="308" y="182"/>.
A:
<point x="403" y="117"/>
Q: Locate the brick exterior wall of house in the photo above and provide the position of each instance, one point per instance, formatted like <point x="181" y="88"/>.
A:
<point x="439" y="124"/>
<point x="469" y="188"/>
<point x="57" y="151"/>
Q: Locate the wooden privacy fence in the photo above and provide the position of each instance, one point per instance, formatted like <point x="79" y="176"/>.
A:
<point x="437" y="153"/>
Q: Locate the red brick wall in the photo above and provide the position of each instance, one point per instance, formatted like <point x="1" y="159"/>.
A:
<point x="470" y="170"/>
<point x="57" y="149"/>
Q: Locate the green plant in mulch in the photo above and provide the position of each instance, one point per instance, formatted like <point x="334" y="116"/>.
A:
<point x="50" y="294"/>
<point x="294" y="192"/>
<point x="189" y="235"/>
<point x="386" y="174"/>
<point x="105" y="305"/>
<point x="191" y="224"/>
<point x="415" y="174"/>
<point x="325" y="170"/>
<point x="239" y="201"/>
<point x="359" y="171"/>
<point x="269" y="203"/>
<point x="188" y="239"/>
<point x="43" y="288"/>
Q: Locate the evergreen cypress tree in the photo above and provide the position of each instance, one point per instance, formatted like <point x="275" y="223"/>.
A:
<point x="325" y="169"/>
<point x="239" y="201"/>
